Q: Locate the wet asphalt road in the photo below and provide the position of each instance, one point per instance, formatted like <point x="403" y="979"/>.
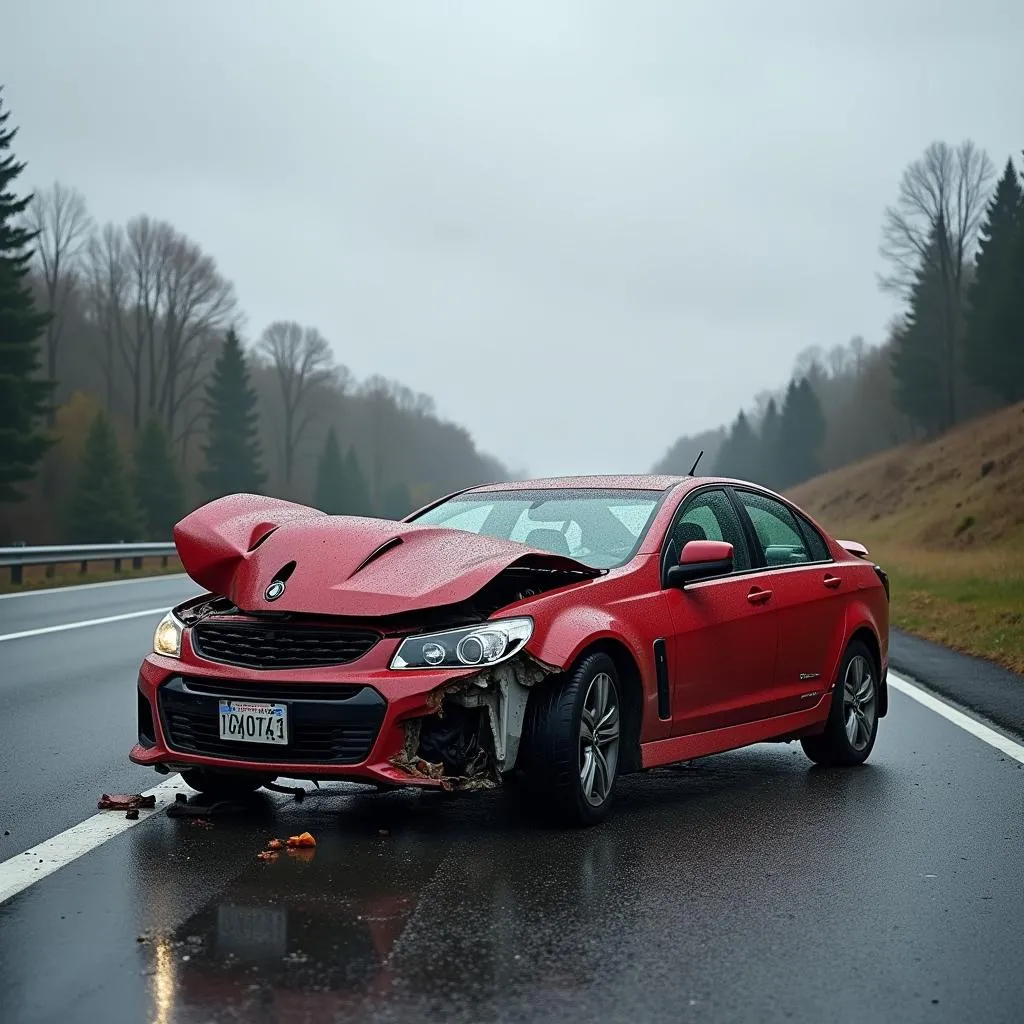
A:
<point x="749" y="886"/>
<point x="67" y="714"/>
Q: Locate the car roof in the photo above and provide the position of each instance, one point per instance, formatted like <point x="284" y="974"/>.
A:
<point x="633" y="482"/>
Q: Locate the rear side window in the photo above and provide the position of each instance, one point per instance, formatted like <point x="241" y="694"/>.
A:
<point x="778" y="533"/>
<point x="709" y="516"/>
<point x="815" y="542"/>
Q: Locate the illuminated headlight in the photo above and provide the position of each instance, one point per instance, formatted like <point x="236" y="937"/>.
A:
<point x="167" y="638"/>
<point x="486" y="644"/>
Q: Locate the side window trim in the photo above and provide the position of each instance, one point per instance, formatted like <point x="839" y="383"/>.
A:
<point x="812" y="534"/>
<point x="751" y="533"/>
<point x="757" y="558"/>
<point x="753" y="555"/>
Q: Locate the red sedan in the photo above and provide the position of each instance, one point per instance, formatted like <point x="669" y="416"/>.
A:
<point x="558" y="633"/>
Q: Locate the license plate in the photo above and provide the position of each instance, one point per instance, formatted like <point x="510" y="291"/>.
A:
<point x="254" y="723"/>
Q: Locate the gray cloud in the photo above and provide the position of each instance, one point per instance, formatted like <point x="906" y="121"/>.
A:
<point x="583" y="227"/>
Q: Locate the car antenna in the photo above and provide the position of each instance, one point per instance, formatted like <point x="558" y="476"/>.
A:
<point x="693" y="468"/>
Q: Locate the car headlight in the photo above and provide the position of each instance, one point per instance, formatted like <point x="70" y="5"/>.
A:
<point x="167" y="638"/>
<point x="473" y="646"/>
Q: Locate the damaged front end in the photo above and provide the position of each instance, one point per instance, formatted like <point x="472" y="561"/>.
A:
<point x="472" y="737"/>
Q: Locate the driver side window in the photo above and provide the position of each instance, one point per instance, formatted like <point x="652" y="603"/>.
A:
<point x="710" y="516"/>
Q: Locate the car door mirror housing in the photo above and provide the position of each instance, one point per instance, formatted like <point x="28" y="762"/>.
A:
<point x="701" y="560"/>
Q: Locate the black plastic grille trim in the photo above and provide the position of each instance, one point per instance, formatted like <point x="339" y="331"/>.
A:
<point x="277" y="645"/>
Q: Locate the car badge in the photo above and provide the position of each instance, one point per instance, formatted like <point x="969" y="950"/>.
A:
<point x="274" y="591"/>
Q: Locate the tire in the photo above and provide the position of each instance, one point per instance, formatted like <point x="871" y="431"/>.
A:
<point x="855" y="699"/>
<point x="569" y="776"/>
<point x="223" y="785"/>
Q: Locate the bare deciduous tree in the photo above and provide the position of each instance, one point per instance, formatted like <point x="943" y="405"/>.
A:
<point x="198" y="306"/>
<point x="61" y="222"/>
<point x="160" y="304"/>
<point x="146" y="247"/>
<point x="944" y="184"/>
<point x="106" y="290"/>
<point x="941" y="201"/>
<point x="858" y="348"/>
<point x="302" y="362"/>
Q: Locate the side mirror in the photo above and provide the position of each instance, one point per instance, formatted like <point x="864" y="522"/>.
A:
<point x="701" y="560"/>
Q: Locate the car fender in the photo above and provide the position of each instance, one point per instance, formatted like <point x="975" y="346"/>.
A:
<point x="561" y="639"/>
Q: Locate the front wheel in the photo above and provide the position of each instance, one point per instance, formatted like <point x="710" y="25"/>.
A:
<point x="572" y="742"/>
<point x="852" y="723"/>
<point x="223" y="785"/>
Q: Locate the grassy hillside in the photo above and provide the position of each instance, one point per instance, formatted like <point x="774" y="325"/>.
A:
<point x="946" y="518"/>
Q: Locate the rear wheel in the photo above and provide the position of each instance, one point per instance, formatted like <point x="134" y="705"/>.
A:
<point x="853" y="719"/>
<point x="223" y="785"/>
<point x="572" y="742"/>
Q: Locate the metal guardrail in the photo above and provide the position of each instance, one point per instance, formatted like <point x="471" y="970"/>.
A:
<point x="16" y="558"/>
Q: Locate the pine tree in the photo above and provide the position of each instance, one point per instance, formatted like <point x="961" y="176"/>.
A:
<point x="158" y="486"/>
<point x="738" y="456"/>
<point x="919" y="367"/>
<point x="768" y="446"/>
<point x="102" y="508"/>
<point x="801" y="433"/>
<point x="358" y="501"/>
<point x="332" y="494"/>
<point x="232" y="449"/>
<point x="994" y="343"/>
<point x="24" y="398"/>
<point x="397" y="501"/>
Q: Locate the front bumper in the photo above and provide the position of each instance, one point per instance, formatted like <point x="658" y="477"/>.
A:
<point x="348" y="721"/>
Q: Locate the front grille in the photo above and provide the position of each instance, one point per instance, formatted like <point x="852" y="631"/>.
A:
<point x="275" y="645"/>
<point x="322" y="731"/>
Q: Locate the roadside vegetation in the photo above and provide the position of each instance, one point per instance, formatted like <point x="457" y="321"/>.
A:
<point x="946" y="519"/>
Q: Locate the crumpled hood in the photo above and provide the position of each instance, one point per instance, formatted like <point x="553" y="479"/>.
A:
<point x="340" y="565"/>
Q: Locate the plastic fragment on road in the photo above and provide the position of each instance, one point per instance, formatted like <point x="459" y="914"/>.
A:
<point x="125" y="802"/>
<point x="300" y="841"/>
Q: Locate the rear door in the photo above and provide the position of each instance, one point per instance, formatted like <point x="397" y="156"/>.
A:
<point x="721" y="654"/>
<point x="810" y="596"/>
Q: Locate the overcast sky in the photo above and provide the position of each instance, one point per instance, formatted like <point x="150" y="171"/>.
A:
<point x="583" y="227"/>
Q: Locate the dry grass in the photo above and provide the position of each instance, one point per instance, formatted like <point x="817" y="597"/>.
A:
<point x="946" y="519"/>
<point x="36" y="577"/>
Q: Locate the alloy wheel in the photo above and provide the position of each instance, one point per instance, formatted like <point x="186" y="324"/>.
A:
<point x="599" y="739"/>
<point x="859" y="702"/>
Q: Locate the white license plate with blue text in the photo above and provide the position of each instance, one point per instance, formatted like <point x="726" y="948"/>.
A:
<point x="253" y="723"/>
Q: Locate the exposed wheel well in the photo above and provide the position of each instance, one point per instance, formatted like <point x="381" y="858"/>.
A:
<point x="632" y="699"/>
<point x="867" y="637"/>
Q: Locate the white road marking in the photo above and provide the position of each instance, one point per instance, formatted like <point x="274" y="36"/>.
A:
<point x="24" y="869"/>
<point x="983" y="732"/>
<point x="43" y="630"/>
<point x="90" y="586"/>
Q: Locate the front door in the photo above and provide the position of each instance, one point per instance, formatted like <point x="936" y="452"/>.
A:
<point x="721" y="653"/>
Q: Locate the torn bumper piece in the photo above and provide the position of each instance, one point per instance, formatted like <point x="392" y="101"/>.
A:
<point x="473" y="736"/>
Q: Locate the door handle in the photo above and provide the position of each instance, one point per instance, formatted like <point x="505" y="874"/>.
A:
<point x="758" y="596"/>
<point x="832" y="581"/>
